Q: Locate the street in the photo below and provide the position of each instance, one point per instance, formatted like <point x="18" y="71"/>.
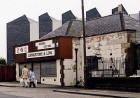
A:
<point x="20" y="92"/>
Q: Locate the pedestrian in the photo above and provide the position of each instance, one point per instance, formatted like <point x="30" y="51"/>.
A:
<point x="25" y="76"/>
<point x="32" y="78"/>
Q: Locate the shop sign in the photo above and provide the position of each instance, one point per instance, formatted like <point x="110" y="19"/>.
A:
<point x="21" y="50"/>
<point x="45" y="44"/>
<point x="41" y="54"/>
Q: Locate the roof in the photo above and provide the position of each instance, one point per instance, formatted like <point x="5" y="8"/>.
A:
<point x="71" y="28"/>
<point x="135" y="16"/>
<point x="131" y="23"/>
<point x="19" y="19"/>
<point x="103" y="25"/>
<point x="116" y="10"/>
<point x="23" y="18"/>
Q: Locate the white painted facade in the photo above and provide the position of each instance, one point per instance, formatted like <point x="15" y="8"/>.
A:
<point x="106" y="46"/>
<point x="109" y="46"/>
<point x="69" y="69"/>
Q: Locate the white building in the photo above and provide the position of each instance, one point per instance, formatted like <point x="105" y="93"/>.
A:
<point x="58" y="56"/>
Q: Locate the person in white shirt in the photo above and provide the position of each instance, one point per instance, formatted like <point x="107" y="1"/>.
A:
<point x="25" y="75"/>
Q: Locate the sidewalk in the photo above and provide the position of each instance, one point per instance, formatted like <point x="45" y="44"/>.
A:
<point x="9" y="84"/>
<point x="80" y="91"/>
<point x="16" y="84"/>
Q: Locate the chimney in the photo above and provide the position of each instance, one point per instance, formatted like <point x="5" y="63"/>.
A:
<point x="120" y="8"/>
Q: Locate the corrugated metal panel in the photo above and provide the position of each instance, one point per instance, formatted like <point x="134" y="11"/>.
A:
<point x="48" y="69"/>
<point x="36" y="69"/>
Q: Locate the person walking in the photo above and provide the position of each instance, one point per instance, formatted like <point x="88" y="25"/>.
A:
<point x="25" y="76"/>
<point x="32" y="78"/>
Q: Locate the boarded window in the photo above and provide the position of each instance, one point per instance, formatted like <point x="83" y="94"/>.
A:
<point x="92" y="62"/>
<point x="48" y="69"/>
<point x="36" y="68"/>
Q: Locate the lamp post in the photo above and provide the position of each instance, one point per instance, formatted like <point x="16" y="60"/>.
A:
<point x="76" y="51"/>
<point x="84" y="45"/>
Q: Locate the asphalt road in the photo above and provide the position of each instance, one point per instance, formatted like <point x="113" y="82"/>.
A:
<point x="2" y="95"/>
<point x="20" y="92"/>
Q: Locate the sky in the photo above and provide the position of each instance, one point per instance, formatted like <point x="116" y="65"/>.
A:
<point x="12" y="9"/>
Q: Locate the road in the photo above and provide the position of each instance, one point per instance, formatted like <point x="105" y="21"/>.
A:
<point x="20" y="92"/>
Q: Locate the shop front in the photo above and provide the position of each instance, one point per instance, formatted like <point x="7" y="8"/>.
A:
<point x="47" y="58"/>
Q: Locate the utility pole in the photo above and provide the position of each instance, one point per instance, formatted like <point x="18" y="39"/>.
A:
<point x="84" y="45"/>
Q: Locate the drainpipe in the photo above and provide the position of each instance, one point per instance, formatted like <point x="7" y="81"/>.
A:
<point x="76" y="51"/>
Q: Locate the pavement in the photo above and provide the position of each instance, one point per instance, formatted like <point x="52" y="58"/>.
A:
<point x="79" y="91"/>
<point x="16" y="84"/>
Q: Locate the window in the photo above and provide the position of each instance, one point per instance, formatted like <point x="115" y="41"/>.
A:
<point x="48" y="69"/>
<point x="92" y="62"/>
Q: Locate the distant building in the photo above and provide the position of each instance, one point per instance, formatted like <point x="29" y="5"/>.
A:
<point x="47" y="24"/>
<point x="119" y="9"/>
<point x="67" y="16"/>
<point x="20" y="30"/>
<point x="92" y="14"/>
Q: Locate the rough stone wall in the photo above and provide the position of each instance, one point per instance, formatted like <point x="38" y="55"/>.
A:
<point x="70" y="66"/>
<point x="110" y="46"/>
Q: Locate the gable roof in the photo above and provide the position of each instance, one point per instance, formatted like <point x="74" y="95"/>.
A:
<point x="22" y="18"/>
<point x="71" y="28"/>
<point x="103" y="25"/>
<point x="130" y="23"/>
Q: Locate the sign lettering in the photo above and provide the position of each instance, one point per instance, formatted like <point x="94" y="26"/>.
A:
<point x="21" y="50"/>
<point x="45" y="44"/>
<point x="41" y="54"/>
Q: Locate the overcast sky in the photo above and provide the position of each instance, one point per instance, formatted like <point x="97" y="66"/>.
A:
<point x="12" y="9"/>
